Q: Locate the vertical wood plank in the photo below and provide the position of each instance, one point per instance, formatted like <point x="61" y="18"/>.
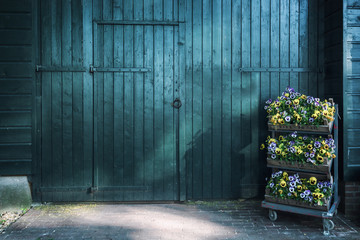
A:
<point x="118" y="100"/>
<point x="304" y="45"/>
<point x="189" y="99"/>
<point x="197" y="101"/>
<point x="139" y="100"/>
<point x="246" y="95"/>
<point x="108" y="102"/>
<point x="98" y="99"/>
<point x="226" y="98"/>
<point x="255" y="99"/>
<point x="66" y="60"/>
<point x="149" y="115"/>
<point x="129" y="101"/>
<point x="284" y="43"/>
<point x="275" y="46"/>
<point x="169" y="175"/>
<point x="79" y="165"/>
<point x="236" y="98"/>
<point x="88" y="99"/>
<point x="159" y="102"/>
<point x="294" y="42"/>
<point x="56" y="100"/>
<point x="313" y="47"/>
<point x="46" y="93"/>
<point x="216" y="102"/>
<point x="207" y="99"/>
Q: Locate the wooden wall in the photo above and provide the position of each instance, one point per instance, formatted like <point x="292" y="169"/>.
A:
<point x="16" y="87"/>
<point x="351" y="89"/>
<point x="224" y="117"/>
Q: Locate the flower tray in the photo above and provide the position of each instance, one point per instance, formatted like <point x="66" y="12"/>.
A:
<point x="326" y="128"/>
<point x="292" y="202"/>
<point x="323" y="168"/>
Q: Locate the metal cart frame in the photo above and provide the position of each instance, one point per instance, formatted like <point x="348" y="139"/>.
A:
<point x="328" y="224"/>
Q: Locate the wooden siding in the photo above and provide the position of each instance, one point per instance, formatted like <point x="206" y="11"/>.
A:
<point x="16" y="87"/>
<point x="351" y="91"/>
<point x="224" y="117"/>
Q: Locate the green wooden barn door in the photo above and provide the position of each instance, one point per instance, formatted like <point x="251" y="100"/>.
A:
<point x="66" y="104"/>
<point x="135" y="67"/>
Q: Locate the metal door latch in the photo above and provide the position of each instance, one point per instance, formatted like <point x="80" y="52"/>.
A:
<point x="176" y="103"/>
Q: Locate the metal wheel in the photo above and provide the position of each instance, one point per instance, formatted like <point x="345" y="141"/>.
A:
<point x="272" y="215"/>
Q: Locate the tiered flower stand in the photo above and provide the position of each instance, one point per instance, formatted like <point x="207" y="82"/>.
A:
<point x="327" y="211"/>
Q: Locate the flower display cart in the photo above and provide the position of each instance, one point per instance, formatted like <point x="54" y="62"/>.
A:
<point x="328" y="171"/>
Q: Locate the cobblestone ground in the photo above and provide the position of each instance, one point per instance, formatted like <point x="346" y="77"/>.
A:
<point x="243" y="219"/>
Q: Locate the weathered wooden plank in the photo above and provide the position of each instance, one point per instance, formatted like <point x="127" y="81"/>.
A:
<point x="189" y="99"/>
<point x="197" y="100"/>
<point x="303" y="45"/>
<point x="15" y="53"/>
<point x="15" y="135"/>
<point x="333" y="21"/>
<point x="15" y="102"/>
<point x="129" y="100"/>
<point x="352" y="101"/>
<point x="15" y="151"/>
<point x="99" y="100"/>
<point x="56" y="100"/>
<point x="255" y="161"/>
<point x="81" y="165"/>
<point x="351" y="3"/>
<point x="353" y="67"/>
<point x="15" y="37"/>
<point x="67" y="98"/>
<point x="46" y="178"/>
<point x="274" y="47"/>
<point x="353" y="85"/>
<point x="15" y="86"/>
<point x="15" y="118"/>
<point x="23" y="6"/>
<point x="108" y="103"/>
<point x="118" y="100"/>
<point x="88" y="99"/>
<point x="16" y="70"/>
<point x="226" y="98"/>
<point x="207" y="96"/>
<point x="139" y="101"/>
<point x="353" y="137"/>
<point x="216" y="101"/>
<point x="149" y="147"/>
<point x="15" y="167"/>
<point x="353" y="119"/>
<point x="313" y="47"/>
<point x="294" y="42"/>
<point x="18" y="21"/>
<point x="284" y="43"/>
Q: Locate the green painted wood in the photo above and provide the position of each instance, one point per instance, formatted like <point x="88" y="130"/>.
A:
<point x="18" y="21"/>
<point x="16" y="86"/>
<point x="294" y="41"/>
<point x="207" y="96"/>
<point x="18" y="37"/>
<point x="350" y="61"/>
<point x="216" y="100"/>
<point x="19" y="167"/>
<point x="15" y="135"/>
<point x="226" y="98"/>
<point x="14" y="151"/>
<point x="16" y="53"/>
<point x="313" y="55"/>
<point x="304" y="44"/>
<point x="21" y="6"/>
<point x="284" y="43"/>
<point x="235" y="97"/>
<point x="197" y="101"/>
<point x="274" y="47"/>
<point x="118" y="100"/>
<point x="15" y="102"/>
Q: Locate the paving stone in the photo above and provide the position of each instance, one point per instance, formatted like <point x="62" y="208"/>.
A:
<point x="201" y="220"/>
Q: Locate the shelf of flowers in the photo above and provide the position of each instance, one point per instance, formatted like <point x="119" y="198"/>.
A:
<point x="300" y="189"/>
<point x="293" y="111"/>
<point x="298" y="152"/>
<point x="307" y="180"/>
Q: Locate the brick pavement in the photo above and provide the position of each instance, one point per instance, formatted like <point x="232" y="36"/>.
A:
<point x="243" y="219"/>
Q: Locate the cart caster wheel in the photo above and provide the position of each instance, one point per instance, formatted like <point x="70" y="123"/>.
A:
<point x="328" y="225"/>
<point x="272" y="215"/>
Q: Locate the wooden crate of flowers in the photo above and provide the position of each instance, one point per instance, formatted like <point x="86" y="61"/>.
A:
<point x="293" y="111"/>
<point x="300" y="189"/>
<point x="300" y="152"/>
